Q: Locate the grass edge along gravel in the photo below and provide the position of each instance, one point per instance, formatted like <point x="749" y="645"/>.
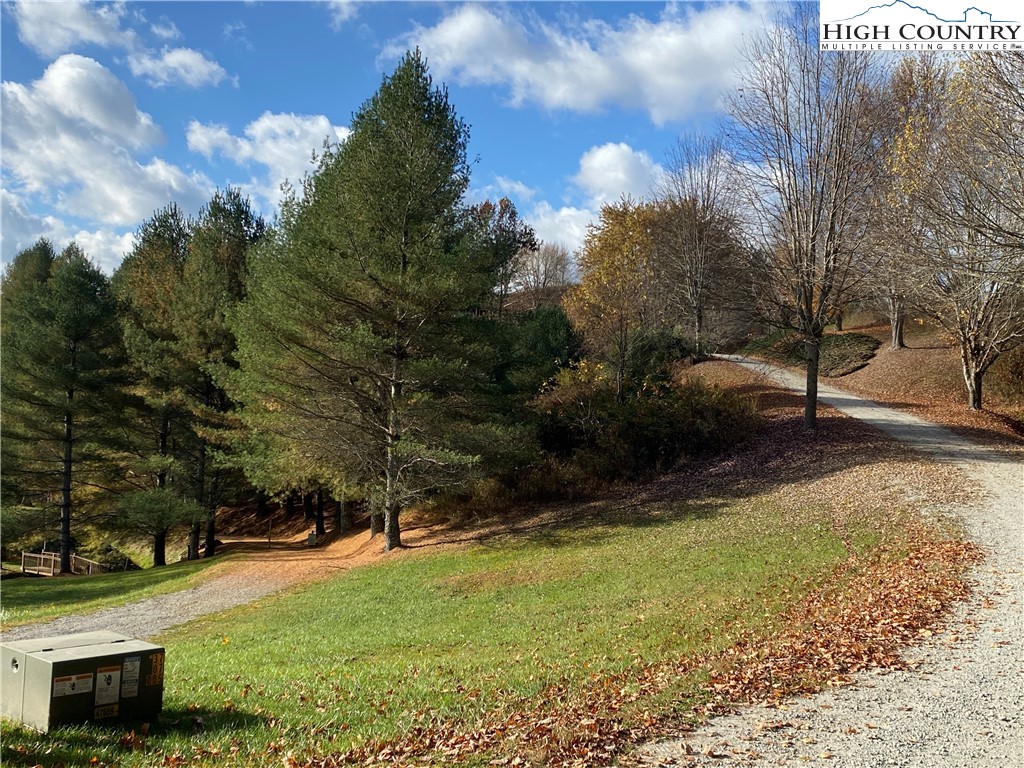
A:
<point x="553" y="648"/>
<point x="29" y="600"/>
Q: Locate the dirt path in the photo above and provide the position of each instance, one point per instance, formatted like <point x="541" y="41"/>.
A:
<point x="964" y="704"/>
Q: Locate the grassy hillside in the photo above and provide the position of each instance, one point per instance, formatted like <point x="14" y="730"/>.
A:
<point x="841" y="353"/>
<point x="563" y="634"/>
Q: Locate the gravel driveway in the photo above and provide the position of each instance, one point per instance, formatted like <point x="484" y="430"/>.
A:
<point x="145" y="618"/>
<point x="963" y="707"/>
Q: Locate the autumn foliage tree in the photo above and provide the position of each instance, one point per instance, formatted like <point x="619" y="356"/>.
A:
<point x="613" y="299"/>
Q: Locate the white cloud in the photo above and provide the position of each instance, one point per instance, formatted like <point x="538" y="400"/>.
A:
<point x="176" y="66"/>
<point x="282" y="142"/>
<point x="670" y="68"/>
<point x="21" y="229"/>
<point x="105" y="247"/>
<point x="611" y="170"/>
<point x="502" y="186"/>
<point x="54" y="28"/>
<point x="72" y="140"/>
<point x="567" y="225"/>
<point x="165" y="29"/>
<point x="509" y="186"/>
<point x="341" y="11"/>
<point x="606" y="173"/>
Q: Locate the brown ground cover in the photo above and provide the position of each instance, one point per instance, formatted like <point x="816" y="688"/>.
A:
<point x="925" y="379"/>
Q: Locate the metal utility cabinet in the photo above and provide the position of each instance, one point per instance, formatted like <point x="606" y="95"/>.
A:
<point x="101" y="676"/>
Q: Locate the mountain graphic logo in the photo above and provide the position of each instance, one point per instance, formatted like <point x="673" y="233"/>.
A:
<point x="911" y="7"/>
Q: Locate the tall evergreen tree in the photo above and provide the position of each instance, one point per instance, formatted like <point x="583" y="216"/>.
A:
<point x="212" y="282"/>
<point x="160" y="430"/>
<point x="350" y="338"/>
<point x="62" y="369"/>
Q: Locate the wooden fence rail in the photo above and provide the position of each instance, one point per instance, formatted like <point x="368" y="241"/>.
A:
<point x="48" y="564"/>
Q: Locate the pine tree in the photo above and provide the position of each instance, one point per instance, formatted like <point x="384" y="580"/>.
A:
<point x="351" y="336"/>
<point x="62" y="376"/>
<point x="160" y="427"/>
<point x="212" y="283"/>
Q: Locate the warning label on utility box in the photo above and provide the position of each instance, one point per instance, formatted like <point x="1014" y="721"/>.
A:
<point x="130" y="677"/>
<point x="69" y="685"/>
<point x="108" y="684"/>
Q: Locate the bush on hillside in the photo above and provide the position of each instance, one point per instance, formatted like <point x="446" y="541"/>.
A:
<point x="648" y="430"/>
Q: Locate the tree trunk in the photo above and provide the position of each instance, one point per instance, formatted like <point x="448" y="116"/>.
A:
<point x="65" y="489"/>
<point x="392" y="531"/>
<point x="897" y="332"/>
<point x="289" y="504"/>
<point x="376" y="523"/>
<point x="193" y="541"/>
<point x="193" y="534"/>
<point x="342" y="516"/>
<point x="165" y="432"/>
<point x="160" y="548"/>
<point x="211" y="518"/>
<point x="973" y="380"/>
<point x="698" y="329"/>
<point x="839" y="321"/>
<point x="813" y="346"/>
<point x="210" y="548"/>
<point x="261" y="504"/>
<point x="320" y="528"/>
<point x="307" y="506"/>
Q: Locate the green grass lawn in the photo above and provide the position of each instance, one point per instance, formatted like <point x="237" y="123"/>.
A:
<point x="30" y="599"/>
<point x="456" y="636"/>
<point x="841" y="353"/>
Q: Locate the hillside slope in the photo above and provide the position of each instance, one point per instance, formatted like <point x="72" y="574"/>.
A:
<point x="925" y="379"/>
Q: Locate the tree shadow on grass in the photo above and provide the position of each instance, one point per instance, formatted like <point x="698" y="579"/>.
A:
<point x="781" y="453"/>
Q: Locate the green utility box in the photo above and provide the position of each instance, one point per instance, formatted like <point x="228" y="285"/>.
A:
<point x="101" y="676"/>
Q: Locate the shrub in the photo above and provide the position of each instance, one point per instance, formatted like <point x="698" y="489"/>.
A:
<point x="648" y="430"/>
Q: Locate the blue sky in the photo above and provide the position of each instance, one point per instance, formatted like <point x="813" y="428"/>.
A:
<point x="112" y="110"/>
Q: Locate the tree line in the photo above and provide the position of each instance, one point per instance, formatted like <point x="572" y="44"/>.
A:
<point x="361" y="347"/>
<point x="836" y="179"/>
<point x="384" y="341"/>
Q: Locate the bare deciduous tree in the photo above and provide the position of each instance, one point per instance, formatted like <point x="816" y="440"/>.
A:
<point x="965" y="184"/>
<point x="803" y="148"/>
<point x="542" y="270"/>
<point x="694" y="239"/>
